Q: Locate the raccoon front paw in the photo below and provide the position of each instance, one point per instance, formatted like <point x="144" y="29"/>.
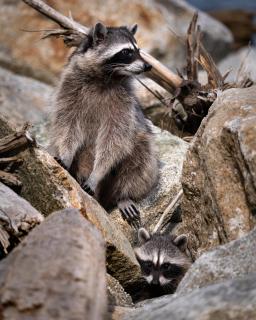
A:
<point x="130" y="213"/>
<point x="61" y="163"/>
<point x="87" y="187"/>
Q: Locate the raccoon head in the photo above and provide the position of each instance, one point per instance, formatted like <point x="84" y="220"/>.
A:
<point x="162" y="259"/>
<point x="109" y="52"/>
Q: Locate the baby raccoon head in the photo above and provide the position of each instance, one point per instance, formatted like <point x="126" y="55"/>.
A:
<point x="110" y="53"/>
<point x="162" y="259"/>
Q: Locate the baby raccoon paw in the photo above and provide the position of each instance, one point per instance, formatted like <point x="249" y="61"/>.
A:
<point x="130" y="213"/>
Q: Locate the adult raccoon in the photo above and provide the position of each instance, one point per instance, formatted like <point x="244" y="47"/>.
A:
<point x="98" y="130"/>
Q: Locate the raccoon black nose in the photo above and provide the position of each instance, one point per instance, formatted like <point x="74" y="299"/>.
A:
<point x="147" y="67"/>
<point x="155" y="282"/>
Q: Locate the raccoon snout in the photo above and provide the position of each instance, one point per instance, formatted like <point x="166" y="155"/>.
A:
<point x="147" y="67"/>
<point x="155" y="282"/>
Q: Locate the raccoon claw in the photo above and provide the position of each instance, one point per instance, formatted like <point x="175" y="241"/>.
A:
<point x="61" y="163"/>
<point x="130" y="213"/>
<point x="88" y="189"/>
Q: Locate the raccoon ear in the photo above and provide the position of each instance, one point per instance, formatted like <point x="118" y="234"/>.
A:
<point x="181" y="242"/>
<point x="133" y="29"/>
<point x="99" y="33"/>
<point x="143" y="235"/>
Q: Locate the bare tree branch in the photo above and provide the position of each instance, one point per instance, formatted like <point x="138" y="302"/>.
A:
<point x="54" y="15"/>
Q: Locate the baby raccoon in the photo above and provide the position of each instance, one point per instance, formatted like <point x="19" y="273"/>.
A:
<point x="163" y="260"/>
<point x="98" y="131"/>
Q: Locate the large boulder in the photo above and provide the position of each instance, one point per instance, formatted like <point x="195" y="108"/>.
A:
<point x="22" y="52"/>
<point x="57" y="272"/>
<point x="240" y="64"/>
<point x="233" y="300"/>
<point x="219" y="173"/>
<point x="23" y="99"/>
<point x="233" y="260"/>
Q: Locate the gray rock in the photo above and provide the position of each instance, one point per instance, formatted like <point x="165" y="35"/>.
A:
<point x="219" y="173"/>
<point x="18" y="215"/>
<point x="57" y="272"/>
<point x="232" y="300"/>
<point x="243" y="61"/>
<point x="116" y="293"/>
<point x="233" y="260"/>
<point x="23" y="99"/>
<point x="178" y="13"/>
<point x="171" y="153"/>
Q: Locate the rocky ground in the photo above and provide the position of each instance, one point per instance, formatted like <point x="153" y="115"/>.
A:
<point x="62" y="255"/>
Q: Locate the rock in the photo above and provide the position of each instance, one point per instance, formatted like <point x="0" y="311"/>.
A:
<point x="171" y="152"/>
<point x="243" y="59"/>
<point x="178" y="14"/>
<point x="219" y="173"/>
<point x="48" y="187"/>
<point x="21" y="216"/>
<point x="21" y="51"/>
<point x="231" y="261"/>
<point x="232" y="300"/>
<point x="57" y="272"/>
<point x="22" y="100"/>
<point x="116" y="294"/>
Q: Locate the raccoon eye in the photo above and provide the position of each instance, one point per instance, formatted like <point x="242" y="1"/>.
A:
<point x="166" y="266"/>
<point x="146" y="267"/>
<point x="171" y="270"/>
<point x="127" y="53"/>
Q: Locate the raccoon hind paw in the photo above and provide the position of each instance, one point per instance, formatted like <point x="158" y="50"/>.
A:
<point x="130" y="213"/>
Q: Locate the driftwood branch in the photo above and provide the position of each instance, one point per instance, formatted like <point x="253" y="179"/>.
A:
<point x="10" y="179"/>
<point x="73" y="33"/>
<point x="15" y="142"/>
<point x="9" y="146"/>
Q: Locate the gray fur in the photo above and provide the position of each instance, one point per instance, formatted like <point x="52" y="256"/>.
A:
<point x="98" y="129"/>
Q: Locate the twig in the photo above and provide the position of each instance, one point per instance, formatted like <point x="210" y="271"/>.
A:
<point x="154" y="93"/>
<point x="167" y="210"/>
<point x="242" y="64"/>
<point x="197" y="53"/>
<point x="191" y="47"/>
<point x="4" y="161"/>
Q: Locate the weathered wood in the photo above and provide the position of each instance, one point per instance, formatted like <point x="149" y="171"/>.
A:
<point x="15" y="142"/>
<point x="10" y="179"/>
<point x="4" y="161"/>
<point x="17" y="216"/>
